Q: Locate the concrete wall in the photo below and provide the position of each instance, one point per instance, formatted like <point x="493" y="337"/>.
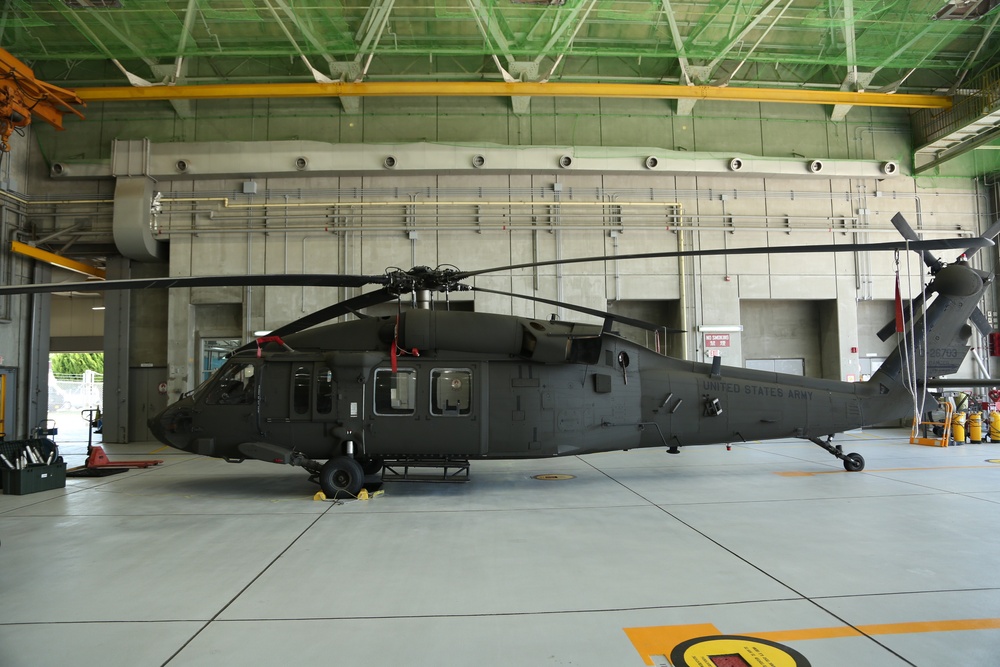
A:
<point x="236" y="237"/>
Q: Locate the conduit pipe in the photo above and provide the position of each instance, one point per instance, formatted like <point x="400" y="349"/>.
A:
<point x="527" y="227"/>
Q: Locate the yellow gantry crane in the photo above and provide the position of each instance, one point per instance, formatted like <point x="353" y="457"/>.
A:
<point x="22" y="97"/>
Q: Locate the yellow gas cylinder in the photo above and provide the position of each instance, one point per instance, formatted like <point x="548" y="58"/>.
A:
<point x="958" y="428"/>
<point x="994" y="426"/>
<point x="975" y="428"/>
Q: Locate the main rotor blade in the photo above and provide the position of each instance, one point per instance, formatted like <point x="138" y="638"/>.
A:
<point x="336" y="310"/>
<point x="641" y="324"/>
<point x="264" y="280"/>
<point x="934" y="244"/>
<point x="328" y="313"/>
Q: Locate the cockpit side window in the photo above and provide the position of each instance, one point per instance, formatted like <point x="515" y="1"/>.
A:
<point x="235" y="384"/>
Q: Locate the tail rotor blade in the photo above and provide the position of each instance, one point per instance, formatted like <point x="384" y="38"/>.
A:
<point x="981" y="323"/>
<point x="886" y="332"/>
<point x="989" y="234"/>
<point x="907" y="232"/>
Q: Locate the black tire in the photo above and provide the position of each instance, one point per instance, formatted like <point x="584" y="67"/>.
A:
<point x="854" y="463"/>
<point x="341" y="476"/>
<point x="372" y="465"/>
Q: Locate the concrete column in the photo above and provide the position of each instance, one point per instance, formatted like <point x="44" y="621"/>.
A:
<point x="116" y="354"/>
<point x="37" y="353"/>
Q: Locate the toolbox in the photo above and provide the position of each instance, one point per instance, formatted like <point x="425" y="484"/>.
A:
<point x="30" y="466"/>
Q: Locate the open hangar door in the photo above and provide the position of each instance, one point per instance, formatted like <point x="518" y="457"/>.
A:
<point x="790" y="336"/>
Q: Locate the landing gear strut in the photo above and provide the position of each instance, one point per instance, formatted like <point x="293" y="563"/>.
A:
<point x="852" y="462"/>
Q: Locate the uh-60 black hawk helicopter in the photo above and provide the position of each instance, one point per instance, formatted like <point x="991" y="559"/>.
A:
<point x="434" y="384"/>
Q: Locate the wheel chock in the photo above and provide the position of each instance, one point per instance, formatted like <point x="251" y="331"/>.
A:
<point x="319" y="496"/>
<point x="363" y="494"/>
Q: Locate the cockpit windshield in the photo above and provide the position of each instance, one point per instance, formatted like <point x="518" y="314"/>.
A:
<point x="234" y="383"/>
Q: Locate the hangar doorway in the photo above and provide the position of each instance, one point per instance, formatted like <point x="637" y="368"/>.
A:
<point x="793" y="334"/>
<point x="872" y="316"/>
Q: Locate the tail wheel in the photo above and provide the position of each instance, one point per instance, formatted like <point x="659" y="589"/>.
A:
<point x="854" y="463"/>
<point x="341" y="476"/>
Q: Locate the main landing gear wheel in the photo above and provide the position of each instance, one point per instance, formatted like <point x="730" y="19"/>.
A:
<point x="854" y="463"/>
<point x="341" y="476"/>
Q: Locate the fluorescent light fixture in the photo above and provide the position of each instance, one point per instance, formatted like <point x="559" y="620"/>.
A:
<point x="97" y="308"/>
<point x="720" y="328"/>
<point x="261" y="334"/>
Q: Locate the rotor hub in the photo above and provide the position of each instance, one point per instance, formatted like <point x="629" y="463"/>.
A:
<point x="440" y="279"/>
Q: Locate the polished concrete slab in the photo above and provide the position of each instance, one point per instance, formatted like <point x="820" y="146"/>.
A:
<point x="200" y="562"/>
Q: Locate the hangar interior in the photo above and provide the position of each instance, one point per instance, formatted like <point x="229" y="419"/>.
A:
<point x="219" y="137"/>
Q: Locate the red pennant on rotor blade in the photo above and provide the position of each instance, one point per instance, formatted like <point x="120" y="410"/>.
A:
<point x="264" y="340"/>
<point x="899" y="308"/>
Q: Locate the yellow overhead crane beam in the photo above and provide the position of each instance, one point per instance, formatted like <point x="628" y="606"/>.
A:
<point x="56" y="260"/>
<point x="502" y="89"/>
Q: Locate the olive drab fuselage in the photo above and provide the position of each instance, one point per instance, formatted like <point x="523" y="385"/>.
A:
<point x="479" y="386"/>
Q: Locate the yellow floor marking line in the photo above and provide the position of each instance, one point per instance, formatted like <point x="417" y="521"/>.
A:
<point x="661" y="640"/>
<point x="880" y="629"/>
<point x="811" y="473"/>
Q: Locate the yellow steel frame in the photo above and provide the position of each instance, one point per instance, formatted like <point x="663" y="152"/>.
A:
<point x="56" y="260"/>
<point x="915" y="439"/>
<point x="502" y="89"/>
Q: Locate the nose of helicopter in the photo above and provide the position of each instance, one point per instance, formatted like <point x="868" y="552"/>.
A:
<point x="172" y="426"/>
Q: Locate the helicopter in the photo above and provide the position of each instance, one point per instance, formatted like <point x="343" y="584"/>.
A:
<point x="344" y="400"/>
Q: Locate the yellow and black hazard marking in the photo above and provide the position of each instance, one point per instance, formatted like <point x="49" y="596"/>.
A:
<point x="704" y="645"/>
<point x="551" y="477"/>
<point x="734" y="651"/>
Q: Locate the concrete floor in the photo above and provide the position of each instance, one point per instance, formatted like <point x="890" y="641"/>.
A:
<point x="200" y="562"/>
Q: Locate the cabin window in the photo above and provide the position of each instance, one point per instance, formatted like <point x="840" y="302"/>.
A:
<point x="300" y="390"/>
<point x="324" y="390"/>
<point x="234" y="385"/>
<point x="451" y="392"/>
<point x="395" y="393"/>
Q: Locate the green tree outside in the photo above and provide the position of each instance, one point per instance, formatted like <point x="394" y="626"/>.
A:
<point x="75" y="363"/>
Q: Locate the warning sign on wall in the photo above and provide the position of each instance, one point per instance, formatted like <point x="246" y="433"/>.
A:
<point x="717" y="340"/>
